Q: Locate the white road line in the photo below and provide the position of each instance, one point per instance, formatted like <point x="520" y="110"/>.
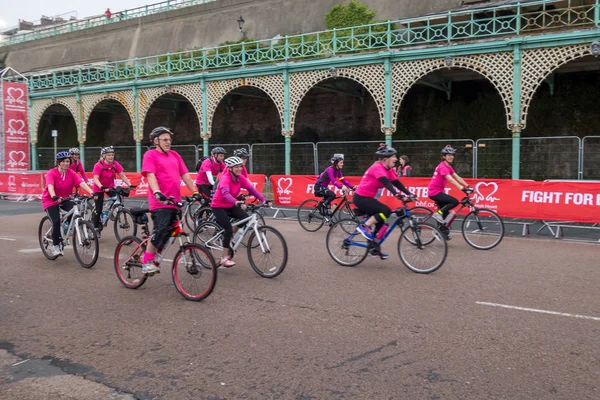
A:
<point x="7" y="238"/>
<point x="36" y="250"/>
<point x="14" y="365"/>
<point x="483" y="303"/>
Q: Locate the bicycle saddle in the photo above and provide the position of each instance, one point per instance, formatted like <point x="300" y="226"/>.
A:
<point x="139" y="211"/>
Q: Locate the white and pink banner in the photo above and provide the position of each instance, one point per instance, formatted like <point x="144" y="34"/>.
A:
<point x="15" y="127"/>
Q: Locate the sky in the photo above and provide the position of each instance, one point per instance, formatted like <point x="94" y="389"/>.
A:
<point x="32" y="10"/>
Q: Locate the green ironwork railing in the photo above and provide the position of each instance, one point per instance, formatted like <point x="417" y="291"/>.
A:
<point x="451" y="27"/>
<point x="103" y="20"/>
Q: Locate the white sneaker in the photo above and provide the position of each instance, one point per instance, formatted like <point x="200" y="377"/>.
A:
<point x="438" y="217"/>
<point x="57" y="251"/>
<point x="227" y="262"/>
<point x="150" y="268"/>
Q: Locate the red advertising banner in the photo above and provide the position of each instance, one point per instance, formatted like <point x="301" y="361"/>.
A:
<point x="565" y="201"/>
<point x="21" y="183"/>
<point x="15" y="126"/>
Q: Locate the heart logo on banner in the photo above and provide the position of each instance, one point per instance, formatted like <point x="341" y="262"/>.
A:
<point x="16" y="127"/>
<point x="17" y="158"/>
<point x="283" y="185"/>
<point x="484" y="191"/>
<point x="15" y="95"/>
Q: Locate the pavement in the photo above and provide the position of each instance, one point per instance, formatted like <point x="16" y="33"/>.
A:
<point x="520" y="321"/>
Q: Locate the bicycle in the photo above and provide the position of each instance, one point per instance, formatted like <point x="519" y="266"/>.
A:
<point x="262" y="242"/>
<point x="417" y="243"/>
<point x="114" y="210"/>
<point x="72" y="225"/>
<point x="311" y="216"/>
<point x="482" y="228"/>
<point x="191" y="263"/>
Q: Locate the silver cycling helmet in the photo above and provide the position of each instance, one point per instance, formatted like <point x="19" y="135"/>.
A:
<point x="233" y="161"/>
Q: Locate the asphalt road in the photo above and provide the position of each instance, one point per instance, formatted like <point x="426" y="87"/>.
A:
<point x="318" y="331"/>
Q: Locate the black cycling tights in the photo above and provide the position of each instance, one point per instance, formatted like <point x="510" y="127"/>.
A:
<point x="374" y="207"/>
<point x="445" y="202"/>
<point x="54" y="214"/>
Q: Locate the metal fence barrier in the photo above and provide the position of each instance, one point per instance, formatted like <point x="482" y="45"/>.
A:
<point x="230" y="148"/>
<point x="269" y="158"/>
<point x="590" y="158"/>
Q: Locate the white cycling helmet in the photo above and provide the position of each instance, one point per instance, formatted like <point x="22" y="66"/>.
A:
<point x="233" y="161"/>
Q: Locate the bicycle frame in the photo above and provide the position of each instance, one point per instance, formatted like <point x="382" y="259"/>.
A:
<point x="464" y="203"/>
<point x="73" y="215"/>
<point x="251" y="223"/>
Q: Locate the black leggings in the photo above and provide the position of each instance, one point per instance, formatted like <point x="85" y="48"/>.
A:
<point x="371" y="206"/>
<point x="204" y="191"/>
<point x="162" y="218"/>
<point x="99" y="203"/>
<point x="328" y="195"/>
<point x="445" y="202"/>
<point x="222" y="216"/>
<point x="54" y="214"/>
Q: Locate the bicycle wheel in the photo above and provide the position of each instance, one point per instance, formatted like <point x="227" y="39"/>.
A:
<point x="422" y="248"/>
<point x="194" y="272"/>
<point x="269" y="258"/>
<point x="124" y="224"/>
<point x="420" y="214"/>
<point x="128" y="262"/>
<point x="203" y="214"/>
<point x="45" y="237"/>
<point x="483" y="229"/>
<point x="85" y="245"/>
<point x="205" y="235"/>
<point x="309" y="216"/>
<point x="192" y="215"/>
<point x="347" y="249"/>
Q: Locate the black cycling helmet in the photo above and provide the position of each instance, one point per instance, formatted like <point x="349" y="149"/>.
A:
<point x="218" y="150"/>
<point x="384" y="152"/>
<point x="159" y="130"/>
<point x="448" y="150"/>
<point x="242" y="153"/>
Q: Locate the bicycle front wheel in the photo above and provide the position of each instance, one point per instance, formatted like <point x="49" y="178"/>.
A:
<point x="309" y="217"/>
<point x="206" y="235"/>
<point x="85" y="244"/>
<point x="345" y="245"/>
<point x="267" y="252"/>
<point x="128" y="262"/>
<point x="124" y="224"/>
<point x="194" y="272"/>
<point x="45" y="237"/>
<point x="483" y="229"/>
<point x="422" y="248"/>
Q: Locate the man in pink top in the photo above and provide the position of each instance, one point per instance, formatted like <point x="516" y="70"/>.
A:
<point x="444" y="172"/>
<point x="164" y="169"/>
<point x="208" y="171"/>
<point x="76" y="164"/>
<point x="60" y="182"/>
<point x="225" y="204"/>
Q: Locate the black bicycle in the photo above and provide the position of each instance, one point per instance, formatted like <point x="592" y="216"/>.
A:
<point x="312" y="214"/>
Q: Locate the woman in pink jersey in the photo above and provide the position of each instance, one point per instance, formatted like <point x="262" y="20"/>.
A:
<point x="444" y="172"/>
<point x="60" y="182"/>
<point x="76" y="164"/>
<point x="379" y="175"/>
<point x="225" y="204"/>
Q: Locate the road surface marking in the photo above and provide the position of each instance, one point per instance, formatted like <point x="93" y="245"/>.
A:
<point x="483" y="303"/>
<point x="36" y="250"/>
<point x="7" y="238"/>
<point x="14" y="365"/>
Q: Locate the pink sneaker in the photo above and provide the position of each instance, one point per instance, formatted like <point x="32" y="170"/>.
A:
<point x="227" y="262"/>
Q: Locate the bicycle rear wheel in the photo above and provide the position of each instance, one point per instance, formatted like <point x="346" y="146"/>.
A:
<point x="192" y="215"/>
<point x="45" y="237"/>
<point x="194" y="272"/>
<point x="128" y="262"/>
<point x="124" y="224"/>
<point x="86" y="251"/>
<point x="483" y="229"/>
<point x="309" y="217"/>
<point x="267" y="252"/>
<point x="347" y="249"/>
<point x="422" y="248"/>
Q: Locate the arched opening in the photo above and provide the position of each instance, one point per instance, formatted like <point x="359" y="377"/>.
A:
<point x="177" y="113"/>
<point x="563" y="109"/>
<point x="56" y="117"/>
<point x="454" y="106"/>
<point x="109" y="124"/>
<point x="333" y="111"/>
<point x="248" y="116"/>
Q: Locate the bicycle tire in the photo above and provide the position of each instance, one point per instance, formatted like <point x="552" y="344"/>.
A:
<point x="308" y="212"/>
<point x="201" y="255"/>
<point x="338" y="238"/>
<point x="191" y="215"/>
<point x="420" y="232"/>
<point x="124" y="222"/>
<point x="130" y="261"/>
<point x="493" y="220"/>
<point x="203" y="214"/>
<point x="89" y="238"/>
<point x="266" y="251"/>
<point x="46" y="243"/>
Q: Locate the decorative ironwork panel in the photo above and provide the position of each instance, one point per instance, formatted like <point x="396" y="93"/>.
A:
<point x="41" y="105"/>
<point x="496" y="67"/>
<point x="537" y="64"/>
<point x="216" y="90"/>
<point x="147" y="96"/>
<point x="90" y="101"/>
<point x="372" y="77"/>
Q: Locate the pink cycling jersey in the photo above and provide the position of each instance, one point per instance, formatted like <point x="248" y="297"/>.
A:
<point x="229" y="188"/>
<point x="63" y="185"/>
<point x="244" y="171"/>
<point x="438" y="181"/>
<point x="106" y="174"/>
<point x="168" y="169"/>
<point x="210" y="164"/>
<point x="370" y="184"/>
<point x="77" y="166"/>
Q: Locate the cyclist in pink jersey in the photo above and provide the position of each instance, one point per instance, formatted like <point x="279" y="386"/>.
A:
<point x="244" y="155"/>
<point x="225" y="204"/>
<point x="76" y="164"/>
<point x="444" y="172"/>
<point x="208" y="171"/>
<point x="60" y="183"/>
<point x="164" y="170"/>
<point x="379" y="175"/>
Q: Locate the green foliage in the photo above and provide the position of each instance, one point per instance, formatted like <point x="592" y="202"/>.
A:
<point x="353" y="14"/>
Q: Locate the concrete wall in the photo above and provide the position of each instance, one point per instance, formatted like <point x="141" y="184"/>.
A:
<point x="198" y="26"/>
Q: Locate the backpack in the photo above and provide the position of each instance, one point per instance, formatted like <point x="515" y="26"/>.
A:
<point x="200" y="161"/>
